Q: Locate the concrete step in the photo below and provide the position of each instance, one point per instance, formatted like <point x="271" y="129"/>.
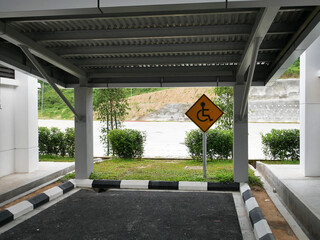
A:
<point x="13" y="185"/>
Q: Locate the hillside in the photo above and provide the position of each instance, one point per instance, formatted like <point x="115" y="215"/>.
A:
<point x="144" y="104"/>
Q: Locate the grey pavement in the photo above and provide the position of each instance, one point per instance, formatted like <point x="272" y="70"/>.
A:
<point x="166" y="139"/>
<point x="11" y="186"/>
<point x="300" y="194"/>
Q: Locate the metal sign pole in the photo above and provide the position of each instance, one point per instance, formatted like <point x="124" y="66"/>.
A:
<point x="204" y="151"/>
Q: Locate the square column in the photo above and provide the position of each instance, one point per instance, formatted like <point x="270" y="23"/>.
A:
<point x="240" y="137"/>
<point x="83" y="132"/>
<point x="26" y="123"/>
<point x="310" y="110"/>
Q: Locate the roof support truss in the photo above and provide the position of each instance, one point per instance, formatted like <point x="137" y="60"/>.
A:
<point x="253" y="62"/>
<point x="47" y="77"/>
<point x="17" y="38"/>
<point x="260" y="29"/>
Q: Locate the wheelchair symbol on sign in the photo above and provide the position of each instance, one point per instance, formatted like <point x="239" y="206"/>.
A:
<point x="203" y="117"/>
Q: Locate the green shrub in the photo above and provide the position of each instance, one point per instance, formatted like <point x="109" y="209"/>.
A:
<point x="69" y="141"/>
<point x="127" y="143"/>
<point x="54" y="142"/>
<point x="219" y="144"/>
<point x="56" y="145"/>
<point x="44" y="140"/>
<point x="282" y="144"/>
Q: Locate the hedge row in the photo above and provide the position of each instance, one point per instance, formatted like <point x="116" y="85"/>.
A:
<point x="52" y="141"/>
<point x="277" y="145"/>
<point x="281" y="144"/>
<point x="219" y="144"/>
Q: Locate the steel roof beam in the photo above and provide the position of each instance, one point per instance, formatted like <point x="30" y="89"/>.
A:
<point x="264" y="20"/>
<point x="162" y="48"/>
<point x="222" y="58"/>
<point x="11" y="35"/>
<point x="253" y="62"/>
<point x="142" y="33"/>
<point x="48" y="78"/>
<point x="150" y="33"/>
<point x="305" y="36"/>
<point x="15" y="59"/>
<point x="171" y="72"/>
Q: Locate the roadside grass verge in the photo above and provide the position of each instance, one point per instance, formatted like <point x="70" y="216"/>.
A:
<point x="162" y="170"/>
<point x="52" y="158"/>
<point x="281" y="162"/>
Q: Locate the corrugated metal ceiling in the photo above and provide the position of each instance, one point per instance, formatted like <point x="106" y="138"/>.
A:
<point x="168" y="42"/>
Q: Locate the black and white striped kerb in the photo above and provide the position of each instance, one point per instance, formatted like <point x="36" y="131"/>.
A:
<point x="260" y="226"/>
<point x="26" y="206"/>
<point x="160" y="185"/>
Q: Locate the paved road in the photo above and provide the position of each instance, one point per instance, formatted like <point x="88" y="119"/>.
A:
<point x="134" y="215"/>
<point x="166" y="139"/>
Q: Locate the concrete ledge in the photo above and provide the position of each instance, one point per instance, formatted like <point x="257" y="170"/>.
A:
<point x="301" y="211"/>
<point x="44" y="175"/>
<point x="54" y="192"/>
<point x="193" y="186"/>
<point x="19" y="209"/>
<point x="260" y="226"/>
<point x="134" y="184"/>
<point x="83" y="183"/>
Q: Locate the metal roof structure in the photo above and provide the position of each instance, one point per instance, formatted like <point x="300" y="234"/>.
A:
<point x="162" y="44"/>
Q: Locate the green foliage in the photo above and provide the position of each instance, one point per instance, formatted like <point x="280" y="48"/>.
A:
<point x="54" y="142"/>
<point x="282" y="144"/>
<point x="127" y="143"/>
<point x="224" y="101"/>
<point x="293" y="71"/>
<point x="69" y="141"/>
<point x="44" y="140"/>
<point x="253" y="180"/>
<point x="111" y="106"/>
<point x="53" y="106"/>
<point x="219" y="144"/>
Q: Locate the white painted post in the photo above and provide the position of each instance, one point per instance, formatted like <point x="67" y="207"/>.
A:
<point x="83" y="132"/>
<point x="240" y="137"/>
<point x="310" y="110"/>
<point x="204" y="153"/>
<point x="26" y="123"/>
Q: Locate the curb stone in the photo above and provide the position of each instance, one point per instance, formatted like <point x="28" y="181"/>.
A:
<point x="260" y="226"/>
<point x="19" y="209"/>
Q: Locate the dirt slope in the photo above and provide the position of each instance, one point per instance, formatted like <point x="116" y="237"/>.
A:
<point x="145" y="104"/>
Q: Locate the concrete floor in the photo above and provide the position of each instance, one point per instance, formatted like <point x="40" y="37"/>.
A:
<point x="15" y="184"/>
<point x="300" y="194"/>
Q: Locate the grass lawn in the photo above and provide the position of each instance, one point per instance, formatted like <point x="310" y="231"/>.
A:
<point x="281" y="162"/>
<point x="51" y="158"/>
<point x="179" y="170"/>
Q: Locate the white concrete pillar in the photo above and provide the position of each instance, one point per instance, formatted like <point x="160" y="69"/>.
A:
<point x="26" y="123"/>
<point x="240" y="137"/>
<point x="310" y="110"/>
<point x="83" y="132"/>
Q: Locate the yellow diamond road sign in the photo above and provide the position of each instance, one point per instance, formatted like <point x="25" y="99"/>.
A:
<point x="204" y="113"/>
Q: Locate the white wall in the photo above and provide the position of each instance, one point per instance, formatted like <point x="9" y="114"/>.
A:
<point x="310" y="111"/>
<point x="18" y="125"/>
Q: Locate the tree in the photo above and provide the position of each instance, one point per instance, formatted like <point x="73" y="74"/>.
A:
<point x="224" y="101"/>
<point x="110" y="106"/>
